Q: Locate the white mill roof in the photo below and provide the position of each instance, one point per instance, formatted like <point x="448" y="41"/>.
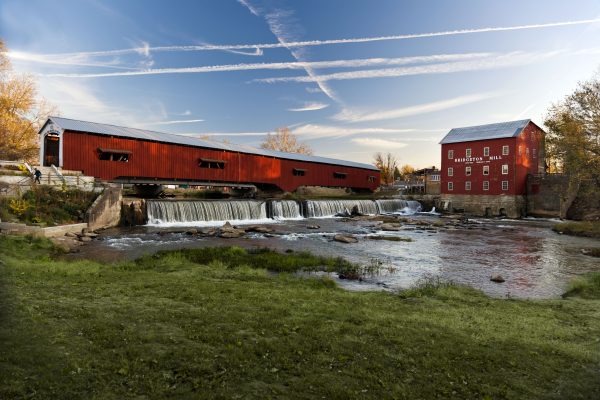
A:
<point x="143" y="134"/>
<point x="484" y="132"/>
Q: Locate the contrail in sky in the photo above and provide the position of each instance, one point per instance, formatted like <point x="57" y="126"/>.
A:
<point x="255" y="47"/>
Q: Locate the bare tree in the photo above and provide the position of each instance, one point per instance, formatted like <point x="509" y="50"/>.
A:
<point x="284" y="140"/>
<point x="21" y="114"/>
<point x="387" y="164"/>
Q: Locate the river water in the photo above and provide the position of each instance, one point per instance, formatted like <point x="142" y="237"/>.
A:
<point x="535" y="261"/>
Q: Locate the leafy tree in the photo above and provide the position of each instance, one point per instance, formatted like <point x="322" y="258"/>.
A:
<point x="573" y="139"/>
<point x="387" y="164"/>
<point x="574" y="131"/>
<point x="284" y="140"/>
<point x="21" y="114"/>
<point x="406" y="171"/>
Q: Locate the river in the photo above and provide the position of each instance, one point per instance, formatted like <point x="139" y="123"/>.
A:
<point x="535" y="261"/>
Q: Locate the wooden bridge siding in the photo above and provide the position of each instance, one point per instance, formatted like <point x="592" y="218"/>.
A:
<point x="173" y="161"/>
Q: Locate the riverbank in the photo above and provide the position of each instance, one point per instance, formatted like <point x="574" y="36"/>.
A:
<point x="188" y="325"/>
<point x="579" y="228"/>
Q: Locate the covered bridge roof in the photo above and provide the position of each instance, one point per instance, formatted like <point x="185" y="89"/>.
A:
<point x="142" y="134"/>
<point x="484" y="132"/>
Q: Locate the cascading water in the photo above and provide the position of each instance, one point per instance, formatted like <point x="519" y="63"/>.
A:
<point x="164" y="212"/>
<point x="285" y="209"/>
<point x="394" y="206"/>
<point x="329" y="208"/>
<point x="215" y="212"/>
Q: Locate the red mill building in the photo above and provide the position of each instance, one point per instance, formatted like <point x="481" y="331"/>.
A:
<point x="485" y="168"/>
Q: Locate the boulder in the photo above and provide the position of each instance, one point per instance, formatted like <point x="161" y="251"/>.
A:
<point x="91" y="235"/>
<point x="85" y="239"/>
<point x="313" y="227"/>
<point x="345" y="238"/>
<point x="192" y="231"/>
<point x="497" y="279"/>
<point x="209" y="231"/>
<point x="390" y="226"/>
<point x="227" y="231"/>
<point x="258" y="229"/>
<point x="71" y="234"/>
<point x="231" y="234"/>
<point x="355" y="212"/>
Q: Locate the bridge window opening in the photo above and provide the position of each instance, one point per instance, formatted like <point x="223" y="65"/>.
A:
<point x="371" y="178"/>
<point x="339" y="175"/>
<point x="211" y="164"/>
<point x="299" y="172"/>
<point x="114" y="155"/>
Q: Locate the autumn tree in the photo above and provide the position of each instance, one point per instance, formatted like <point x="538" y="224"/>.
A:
<point x="406" y="171"/>
<point x="284" y="140"/>
<point x="387" y="164"/>
<point x="21" y="114"/>
<point x="573" y="139"/>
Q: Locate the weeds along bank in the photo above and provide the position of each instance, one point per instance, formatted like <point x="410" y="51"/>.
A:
<point x="216" y="323"/>
<point x="47" y="205"/>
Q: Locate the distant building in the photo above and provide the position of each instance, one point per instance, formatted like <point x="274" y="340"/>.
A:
<point x="485" y="168"/>
<point x="422" y="181"/>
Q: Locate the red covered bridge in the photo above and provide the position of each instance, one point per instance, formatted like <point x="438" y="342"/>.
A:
<point x="129" y="155"/>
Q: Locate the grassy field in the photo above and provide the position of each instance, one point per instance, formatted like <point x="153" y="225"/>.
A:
<point x="579" y="228"/>
<point x="216" y="324"/>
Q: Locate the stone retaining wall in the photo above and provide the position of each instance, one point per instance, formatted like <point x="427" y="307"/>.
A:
<point x="105" y="212"/>
<point x="51" y="231"/>
<point x="484" y="205"/>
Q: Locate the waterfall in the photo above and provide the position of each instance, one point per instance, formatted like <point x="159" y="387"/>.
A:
<point x="216" y="212"/>
<point x="397" y="206"/>
<point x="329" y="208"/>
<point x="285" y="209"/>
<point x="202" y="212"/>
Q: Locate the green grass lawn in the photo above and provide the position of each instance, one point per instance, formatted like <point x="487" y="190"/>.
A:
<point x="200" y="324"/>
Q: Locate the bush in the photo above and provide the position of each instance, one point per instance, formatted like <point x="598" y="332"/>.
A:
<point x="49" y="206"/>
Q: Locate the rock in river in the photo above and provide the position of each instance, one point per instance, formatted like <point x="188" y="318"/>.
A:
<point x="345" y="238"/>
<point x="497" y="279"/>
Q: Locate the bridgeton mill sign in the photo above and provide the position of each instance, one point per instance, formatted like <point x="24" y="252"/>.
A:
<point x="477" y="160"/>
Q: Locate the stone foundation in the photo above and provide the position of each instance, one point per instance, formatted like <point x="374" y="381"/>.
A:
<point x="484" y="205"/>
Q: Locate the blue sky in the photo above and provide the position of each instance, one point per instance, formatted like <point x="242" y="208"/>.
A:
<point x="348" y="77"/>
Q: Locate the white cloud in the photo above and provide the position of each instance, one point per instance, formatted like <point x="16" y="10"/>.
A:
<point x="357" y="116"/>
<point x="495" y="62"/>
<point x="292" y="44"/>
<point x="183" y="121"/>
<point x="352" y="63"/>
<point x="384" y="144"/>
<point x="325" y="131"/>
<point x="310" y="107"/>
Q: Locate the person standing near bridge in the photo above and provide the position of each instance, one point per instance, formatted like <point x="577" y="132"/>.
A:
<point x="38" y="176"/>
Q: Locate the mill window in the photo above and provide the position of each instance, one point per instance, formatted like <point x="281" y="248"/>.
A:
<point x="450" y="154"/>
<point x="450" y="171"/>
<point x="504" y="185"/>
<point x="468" y="171"/>
<point x="486" y="185"/>
<point x="468" y="185"/>
<point x="486" y="169"/>
<point x="450" y="186"/>
<point x="505" y="169"/>
<point x="504" y="150"/>
<point x="468" y="153"/>
<point x="486" y="151"/>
